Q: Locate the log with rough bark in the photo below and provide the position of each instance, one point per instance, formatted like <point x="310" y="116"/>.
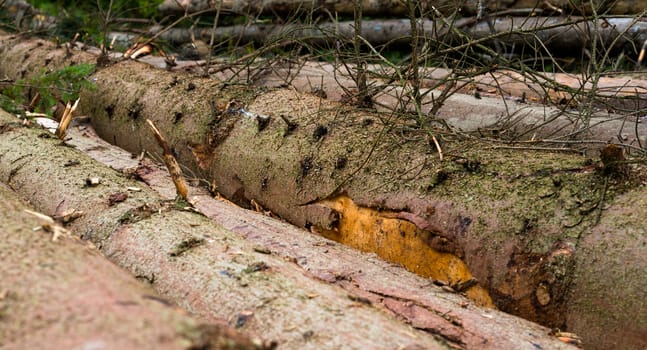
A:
<point x="523" y="223"/>
<point x="505" y="102"/>
<point x="370" y="7"/>
<point x="390" y="7"/>
<point x="562" y="36"/>
<point x="508" y="115"/>
<point x="62" y="294"/>
<point x="495" y="98"/>
<point x="279" y="284"/>
<point x="543" y="110"/>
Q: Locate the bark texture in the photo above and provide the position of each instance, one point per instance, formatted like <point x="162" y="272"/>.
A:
<point x="390" y="7"/>
<point x="516" y="218"/>
<point x="542" y="108"/>
<point x="170" y="248"/>
<point x="557" y="35"/>
<point x="522" y="221"/>
<point x="213" y="272"/>
<point x="370" y="7"/>
<point x="64" y="294"/>
<point x="367" y="278"/>
<point x="551" y="110"/>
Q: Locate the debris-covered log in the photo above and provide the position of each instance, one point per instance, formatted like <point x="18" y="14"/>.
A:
<point x="558" y="35"/>
<point x="391" y="8"/>
<point x="214" y="272"/>
<point x="58" y="292"/>
<point x="508" y="114"/>
<point x="516" y="223"/>
<point x="244" y="7"/>
<point x="534" y="107"/>
<point x="546" y="109"/>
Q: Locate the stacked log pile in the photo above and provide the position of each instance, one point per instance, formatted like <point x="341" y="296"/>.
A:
<point x="522" y="227"/>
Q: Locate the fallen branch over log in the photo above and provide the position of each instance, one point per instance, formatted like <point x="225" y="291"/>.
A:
<point x="62" y="295"/>
<point x="215" y="273"/>
<point x="172" y="165"/>
<point x="621" y="94"/>
<point x="501" y="102"/>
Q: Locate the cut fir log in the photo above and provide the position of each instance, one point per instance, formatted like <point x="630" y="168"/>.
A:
<point x="543" y="110"/>
<point x="517" y="220"/>
<point x="560" y="36"/>
<point x="215" y="273"/>
<point x="370" y="7"/>
<point x="394" y="8"/>
<point x="63" y="294"/>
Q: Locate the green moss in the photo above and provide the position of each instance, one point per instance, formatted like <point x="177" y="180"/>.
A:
<point x="137" y="214"/>
<point x="186" y="245"/>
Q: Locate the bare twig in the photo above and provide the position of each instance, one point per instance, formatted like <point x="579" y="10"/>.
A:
<point x="171" y="163"/>
<point x="66" y="119"/>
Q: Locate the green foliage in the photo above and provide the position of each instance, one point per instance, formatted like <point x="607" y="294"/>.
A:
<point x="9" y="105"/>
<point x="92" y="18"/>
<point x="121" y="8"/>
<point x="64" y="84"/>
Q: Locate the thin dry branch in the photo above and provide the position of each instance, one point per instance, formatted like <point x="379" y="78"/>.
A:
<point x="68" y="115"/>
<point x="171" y="163"/>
